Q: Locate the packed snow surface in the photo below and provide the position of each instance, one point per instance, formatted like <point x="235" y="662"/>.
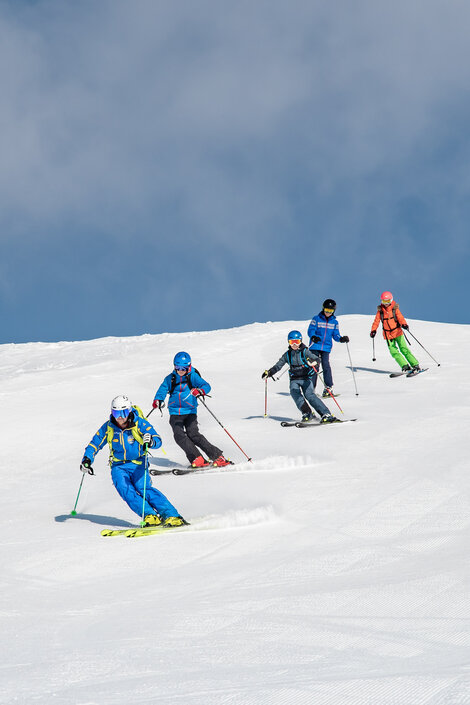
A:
<point x="333" y="569"/>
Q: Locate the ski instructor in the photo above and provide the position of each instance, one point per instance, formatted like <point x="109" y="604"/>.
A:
<point x="127" y="432"/>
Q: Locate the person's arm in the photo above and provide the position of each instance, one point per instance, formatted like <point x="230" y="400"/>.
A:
<point x="312" y="359"/>
<point x="96" y="443"/>
<point x="163" y="389"/>
<point x="376" y="322"/>
<point x="145" y="427"/>
<point x="199" y="383"/>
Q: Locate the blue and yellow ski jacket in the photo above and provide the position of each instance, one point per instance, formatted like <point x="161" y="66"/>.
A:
<point x="125" y="445"/>
<point x="325" y="328"/>
<point x="181" y="400"/>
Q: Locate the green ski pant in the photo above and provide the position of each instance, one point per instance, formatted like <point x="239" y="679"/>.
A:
<point x="400" y="352"/>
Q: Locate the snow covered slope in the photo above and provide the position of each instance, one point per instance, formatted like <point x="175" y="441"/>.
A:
<point x="333" y="570"/>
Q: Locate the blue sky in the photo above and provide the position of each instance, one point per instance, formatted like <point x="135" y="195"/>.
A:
<point x="172" y="166"/>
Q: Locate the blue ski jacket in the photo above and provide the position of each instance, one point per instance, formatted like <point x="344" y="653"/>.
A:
<point x="326" y="328"/>
<point x="125" y="445"/>
<point x="179" y="388"/>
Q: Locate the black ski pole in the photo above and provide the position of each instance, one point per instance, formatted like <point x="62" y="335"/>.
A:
<point x="426" y="351"/>
<point x="220" y="424"/>
<point x="373" y="349"/>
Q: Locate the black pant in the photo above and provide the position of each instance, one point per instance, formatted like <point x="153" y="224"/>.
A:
<point x="326" y="368"/>
<point x="188" y="437"/>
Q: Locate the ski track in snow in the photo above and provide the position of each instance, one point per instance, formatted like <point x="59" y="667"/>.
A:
<point x="333" y="569"/>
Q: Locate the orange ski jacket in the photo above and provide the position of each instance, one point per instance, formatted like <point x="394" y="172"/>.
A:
<point x="392" y="320"/>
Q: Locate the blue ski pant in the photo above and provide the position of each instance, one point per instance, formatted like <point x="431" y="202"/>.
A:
<point x="326" y="368"/>
<point x="301" y="390"/>
<point x="129" y="479"/>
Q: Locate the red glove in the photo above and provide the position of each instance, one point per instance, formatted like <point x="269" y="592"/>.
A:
<point x="157" y="403"/>
<point x="197" y="392"/>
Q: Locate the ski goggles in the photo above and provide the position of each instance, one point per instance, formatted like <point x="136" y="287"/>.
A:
<point x="294" y="341"/>
<point x="386" y="302"/>
<point x="329" y="310"/>
<point x="120" y="413"/>
<point x="181" y="369"/>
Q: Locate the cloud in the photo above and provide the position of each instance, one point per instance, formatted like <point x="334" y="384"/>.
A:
<point x="242" y="129"/>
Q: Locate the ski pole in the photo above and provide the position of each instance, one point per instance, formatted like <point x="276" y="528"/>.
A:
<point x="373" y="350"/>
<point x="276" y="379"/>
<point x="426" y="351"/>
<point x="201" y="399"/>
<point x="331" y="395"/>
<point x="265" y="397"/>
<point x="142" y="522"/>
<point x="352" y="369"/>
<point x="73" y="512"/>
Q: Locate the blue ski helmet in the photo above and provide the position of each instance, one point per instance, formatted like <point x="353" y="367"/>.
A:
<point x="295" y="335"/>
<point x="182" y="359"/>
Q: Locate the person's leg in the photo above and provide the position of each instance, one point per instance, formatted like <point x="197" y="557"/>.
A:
<point x="313" y="400"/>
<point x="297" y="396"/>
<point x="395" y="352"/>
<point x="177" y="423"/>
<point x="192" y="430"/>
<point x="122" y="481"/>
<point x="158" y="502"/>
<point x="406" y="352"/>
<point x="325" y="363"/>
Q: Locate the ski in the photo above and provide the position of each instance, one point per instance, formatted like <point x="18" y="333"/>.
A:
<point x="413" y="373"/>
<point x="302" y="424"/>
<point x="397" y="374"/>
<point x="188" y="471"/>
<point x="118" y="532"/>
<point x="286" y="424"/>
<point x="131" y="532"/>
<point x="169" y="471"/>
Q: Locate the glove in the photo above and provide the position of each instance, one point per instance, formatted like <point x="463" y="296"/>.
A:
<point x="85" y="466"/>
<point x="315" y="339"/>
<point x="158" y="404"/>
<point x="147" y="440"/>
<point x="265" y="374"/>
<point x="344" y="339"/>
<point x="198" y="392"/>
<point x="373" y="333"/>
<point x="405" y="326"/>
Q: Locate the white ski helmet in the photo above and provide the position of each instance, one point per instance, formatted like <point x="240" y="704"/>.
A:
<point x="121" y="403"/>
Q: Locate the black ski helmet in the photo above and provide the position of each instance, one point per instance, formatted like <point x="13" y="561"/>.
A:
<point x="329" y="303"/>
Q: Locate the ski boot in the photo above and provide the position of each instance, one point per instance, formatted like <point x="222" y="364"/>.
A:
<point x="406" y="368"/>
<point x="152" y="520"/>
<point x="414" y="371"/>
<point x="221" y="462"/>
<point x="328" y="418"/>
<point x="307" y="417"/>
<point x="200" y="462"/>
<point x="327" y="392"/>
<point x="174" y="521"/>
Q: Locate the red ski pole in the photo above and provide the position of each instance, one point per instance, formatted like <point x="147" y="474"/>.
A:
<point x="331" y="395"/>
<point x="201" y="399"/>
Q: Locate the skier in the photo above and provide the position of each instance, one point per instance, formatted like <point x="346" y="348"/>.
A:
<point x="301" y="360"/>
<point x="393" y="324"/>
<point x="323" y="329"/>
<point x="127" y="432"/>
<point x="184" y="385"/>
